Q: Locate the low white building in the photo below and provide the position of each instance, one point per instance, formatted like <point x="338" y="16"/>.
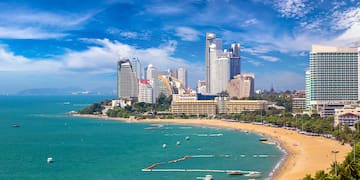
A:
<point x="347" y="115"/>
<point x="120" y="103"/>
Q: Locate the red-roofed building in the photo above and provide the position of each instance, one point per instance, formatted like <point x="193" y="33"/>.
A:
<point x="145" y="91"/>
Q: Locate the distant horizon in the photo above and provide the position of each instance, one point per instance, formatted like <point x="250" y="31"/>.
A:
<point x="69" y="44"/>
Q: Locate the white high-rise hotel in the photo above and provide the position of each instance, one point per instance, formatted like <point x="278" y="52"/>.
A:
<point x="334" y="76"/>
<point x="221" y="66"/>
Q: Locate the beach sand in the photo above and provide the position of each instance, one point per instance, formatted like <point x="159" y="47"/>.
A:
<point x="306" y="154"/>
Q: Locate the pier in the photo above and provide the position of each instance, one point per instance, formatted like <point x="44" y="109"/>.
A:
<point x="198" y="170"/>
<point x="152" y="166"/>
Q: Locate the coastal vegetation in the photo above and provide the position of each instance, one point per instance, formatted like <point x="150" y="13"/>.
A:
<point x="95" y="108"/>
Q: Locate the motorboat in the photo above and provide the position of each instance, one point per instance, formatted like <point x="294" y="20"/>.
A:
<point x="253" y="174"/>
<point x="234" y="172"/>
<point x="50" y="160"/>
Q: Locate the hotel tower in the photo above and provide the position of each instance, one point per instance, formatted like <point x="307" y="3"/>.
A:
<point x="333" y="77"/>
<point x="127" y="85"/>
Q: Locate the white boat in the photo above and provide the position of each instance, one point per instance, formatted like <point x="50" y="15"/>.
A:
<point x="187" y="138"/>
<point x="164" y="145"/>
<point x="234" y="172"/>
<point x="208" y="177"/>
<point x="253" y="174"/>
<point x="177" y="143"/>
<point x="50" y="160"/>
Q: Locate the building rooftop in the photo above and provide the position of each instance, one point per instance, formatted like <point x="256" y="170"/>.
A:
<point x="320" y="48"/>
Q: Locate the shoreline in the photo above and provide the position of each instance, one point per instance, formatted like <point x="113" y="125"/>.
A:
<point x="303" y="154"/>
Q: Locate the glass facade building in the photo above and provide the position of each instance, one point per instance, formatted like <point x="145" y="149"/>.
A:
<point x="127" y="85"/>
<point x="333" y="76"/>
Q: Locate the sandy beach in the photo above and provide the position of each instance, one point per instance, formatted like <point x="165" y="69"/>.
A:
<point x="306" y="154"/>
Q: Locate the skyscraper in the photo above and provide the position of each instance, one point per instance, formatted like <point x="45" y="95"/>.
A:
<point x="182" y="76"/>
<point x="221" y="66"/>
<point x="334" y="75"/>
<point x="135" y="63"/>
<point x="152" y="76"/>
<point x="210" y="37"/>
<point x="127" y="82"/>
<point x="220" y="74"/>
<point x="235" y="66"/>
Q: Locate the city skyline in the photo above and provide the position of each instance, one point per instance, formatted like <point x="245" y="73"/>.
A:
<point x="71" y="44"/>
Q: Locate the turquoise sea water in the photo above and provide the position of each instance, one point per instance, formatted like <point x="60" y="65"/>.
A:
<point x="86" y="148"/>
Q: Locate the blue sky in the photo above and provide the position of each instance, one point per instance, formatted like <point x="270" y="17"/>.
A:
<point x="53" y="44"/>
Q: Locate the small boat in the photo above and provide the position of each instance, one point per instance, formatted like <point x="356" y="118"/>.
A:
<point x="187" y="138"/>
<point x="208" y="177"/>
<point x="177" y="143"/>
<point x="50" y="160"/>
<point x="263" y="139"/>
<point x="234" y="172"/>
<point x="15" y="125"/>
<point x="164" y="145"/>
<point x="253" y="174"/>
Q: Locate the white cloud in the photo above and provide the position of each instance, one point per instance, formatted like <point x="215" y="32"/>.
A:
<point x="130" y="35"/>
<point x="187" y="34"/>
<point x="165" y="9"/>
<point x="255" y="63"/>
<point x="20" y="23"/>
<point x="143" y="35"/>
<point x="28" y="33"/>
<point x="346" y="19"/>
<point x="348" y="22"/>
<point x="250" y="22"/>
<point x="292" y="8"/>
<point x="99" y="58"/>
<point x="270" y="58"/>
<point x="10" y="62"/>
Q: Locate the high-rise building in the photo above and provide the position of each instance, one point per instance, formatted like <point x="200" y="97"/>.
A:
<point x="201" y="86"/>
<point x="221" y="66"/>
<point x="182" y="76"/>
<point x="210" y="37"/>
<point x="220" y="75"/>
<point x="145" y="91"/>
<point x="334" y="75"/>
<point x="308" y="89"/>
<point x="152" y="76"/>
<point x="127" y="82"/>
<point x="235" y="65"/>
<point x="135" y="63"/>
<point x="242" y="86"/>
